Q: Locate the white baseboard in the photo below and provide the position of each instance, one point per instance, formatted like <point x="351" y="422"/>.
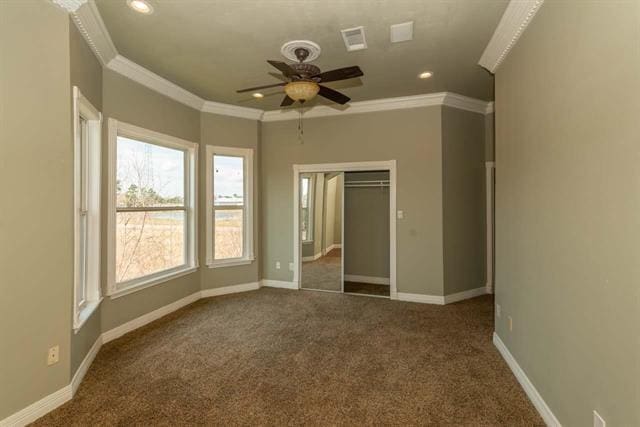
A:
<point x="279" y="284"/>
<point x="233" y="289"/>
<point x="537" y="400"/>
<point x="39" y="408"/>
<point x="332" y="247"/>
<point x="425" y="299"/>
<point x="367" y="279"/>
<point x="57" y="398"/>
<point x="471" y="293"/>
<point x="312" y="257"/>
<point x="84" y="366"/>
<point x="489" y="288"/>
<point x="129" y="326"/>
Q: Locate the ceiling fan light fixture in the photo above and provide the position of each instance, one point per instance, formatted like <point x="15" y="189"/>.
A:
<point x="302" y="90"/>
<point x="140" y="6"/>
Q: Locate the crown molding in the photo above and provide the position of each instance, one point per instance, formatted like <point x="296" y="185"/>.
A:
<point x="69" y="5"/>
<point x="88" y="20"/>
<point x="514" y="21"/>
<point x="461" y="102"/>
<point x="432" y="99"/>
<point x="232" y="110"/>
<point x="358" y="107"/>
<point x="139" y="74"/>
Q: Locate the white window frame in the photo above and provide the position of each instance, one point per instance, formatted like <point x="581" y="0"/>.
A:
<point x="248" y="252"/>
<point x="117" y="128"/>
<point x="310" y="205"/>
<point x="86" y="208"/>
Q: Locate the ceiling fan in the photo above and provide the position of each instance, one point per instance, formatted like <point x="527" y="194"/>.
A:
<point x="302" y="81"/>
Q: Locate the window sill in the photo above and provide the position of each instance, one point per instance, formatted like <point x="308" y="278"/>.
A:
<point x="152" y="282"/>
<point x="231" y="263"/>
<point x="85" y="313"/>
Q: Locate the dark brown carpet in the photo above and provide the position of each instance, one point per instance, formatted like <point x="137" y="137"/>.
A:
<point x="281" y="357"/>
<point x="366" y="288"/>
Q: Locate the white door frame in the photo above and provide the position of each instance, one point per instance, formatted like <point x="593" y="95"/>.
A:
<point x="389" y="165"/>
<point x="490" y="179"/>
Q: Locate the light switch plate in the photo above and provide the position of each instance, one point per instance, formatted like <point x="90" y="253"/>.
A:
<point x="400" y="214"/>
<point x="53" y="355"/>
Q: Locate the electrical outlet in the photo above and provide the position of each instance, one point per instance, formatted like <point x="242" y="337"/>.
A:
<point x="400" y="214"/>
<point x="598" y="421"/>
<point x="510" y="324"/>
<point x="290" y="266"/>
<point x="277" y="265"/>
<point x="498" y="310"/>
<point x="53" y="356"/>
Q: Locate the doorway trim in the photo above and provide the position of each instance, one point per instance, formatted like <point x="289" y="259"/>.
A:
<point x="389" y="165"/>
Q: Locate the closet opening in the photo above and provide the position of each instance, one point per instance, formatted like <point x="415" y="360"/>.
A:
<point x="344" y="228"/>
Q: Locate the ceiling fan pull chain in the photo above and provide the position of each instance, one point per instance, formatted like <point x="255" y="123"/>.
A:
<point x="300" y="127"/>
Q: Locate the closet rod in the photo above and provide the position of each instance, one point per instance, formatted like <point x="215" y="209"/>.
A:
<point x="367" y="185"/>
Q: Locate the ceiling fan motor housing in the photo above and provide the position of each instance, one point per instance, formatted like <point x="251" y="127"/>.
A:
<point x="305" y="70"/>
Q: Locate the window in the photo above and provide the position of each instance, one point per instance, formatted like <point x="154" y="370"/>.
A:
<point x="306" y="207"/>
<point x="229" y="206"/>
<point x="152" y="208"/>
<point x="86" y="130"/>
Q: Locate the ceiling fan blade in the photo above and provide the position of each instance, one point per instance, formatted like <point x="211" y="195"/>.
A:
<point x="287" y="101"/>
<point x="333" y="95"/>
<point x="340" y="74"/>
<point x="286" y="70"/>
<point x="260" y="87"/>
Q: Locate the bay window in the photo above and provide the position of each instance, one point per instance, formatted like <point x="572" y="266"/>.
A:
<point x="152" y="207"/>
<point x="86" y="130"/>
<point x="229" y="201"/>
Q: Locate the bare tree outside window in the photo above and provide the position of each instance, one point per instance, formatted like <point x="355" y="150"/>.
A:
<point x="150" y="209"/>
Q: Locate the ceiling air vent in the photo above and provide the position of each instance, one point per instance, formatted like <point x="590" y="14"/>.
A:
<point x="402" y="32"/>
<point x="354" y="38"/>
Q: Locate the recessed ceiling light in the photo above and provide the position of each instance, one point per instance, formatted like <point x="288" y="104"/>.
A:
<point x="140" y="6"/>
<point x="425" y="75"/>
<point x="258" y="95"/>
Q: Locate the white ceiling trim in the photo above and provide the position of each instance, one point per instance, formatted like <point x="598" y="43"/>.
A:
<point x="432" y="99"/>
<point x="90" y="24"/>
<point x="147" y="78"/>
<point x="514" y="21"/>
<point x="358" y="107"/>
<point x="232" y="110"/>
<point x="70" y="5"/>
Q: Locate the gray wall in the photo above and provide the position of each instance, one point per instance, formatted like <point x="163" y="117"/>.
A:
<point x="86" y="73"/>
<point x="331" y="211"/>
<point x="463" y="200"/>
<point x="313" y="247"/>
<point x="229" y="132"/>
<point x="416" y="146"/>
<point x="36" y="218"/>
<point x="489" y="137"/>
<point x="568" y="208"/>
<point x="337" y="229"/>
<point x="130" y="102"/>
<point x="366" y="227"/>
